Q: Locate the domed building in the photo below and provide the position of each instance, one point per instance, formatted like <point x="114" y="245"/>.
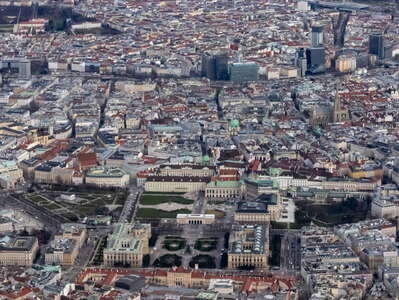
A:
<point x="234" y="126"/>
<point x="206" y="159"/>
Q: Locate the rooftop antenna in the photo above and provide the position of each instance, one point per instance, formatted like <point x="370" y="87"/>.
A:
<point x="239" y="56"/>
<point x="35" y="11"/>
<point x="19" y="16"/>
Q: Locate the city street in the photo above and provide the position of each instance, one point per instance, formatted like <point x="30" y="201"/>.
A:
<point x="84" y="257"/>
<point x="129" y="208"/>
<point x="290" y="252"/>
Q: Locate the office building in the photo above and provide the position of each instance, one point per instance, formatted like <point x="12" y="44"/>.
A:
<point x="24" y="69"/>
<point x="317" y="36"/>
<point x="302" y="66"/>
<point x="215" y="66"/>
<point x="315" y="58"/>
<point x="300" y="53"/>
<point x="376" y="45"/>
<point x="221" y="63"/>
<point x="241" y="72"/>
<point x="208" y="66"/>
<point x="301" y="62"/>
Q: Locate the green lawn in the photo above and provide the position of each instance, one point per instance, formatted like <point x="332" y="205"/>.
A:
<point x="159" y="214"/>
<point x="120" y="198"/>
<point x="206" y="244"/>
<point x="85" y="210"/>
<point x="88" y="205"/>
<point x="174" y="243"/>
<point x="168" y="261"/>
<point x="35" y="198"/>
<point x="51" y="206"/>
<point x="159" y="199"/>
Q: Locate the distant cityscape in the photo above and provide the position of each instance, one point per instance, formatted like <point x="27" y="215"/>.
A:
<point x="199" y="150"/>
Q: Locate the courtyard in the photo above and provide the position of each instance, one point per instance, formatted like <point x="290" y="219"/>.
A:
<point x="189" y="249"/>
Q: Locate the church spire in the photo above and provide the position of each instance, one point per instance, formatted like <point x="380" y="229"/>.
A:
<point x="337" y="101"/>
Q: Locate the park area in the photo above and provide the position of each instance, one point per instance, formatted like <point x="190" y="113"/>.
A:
<point x="168" y="261"/>
<point x="189" y="250"/>
<point x="174" y="243"/>
<point x="153" y="213"/>
<point x="80" y="205"/>
<point x="206" y="244"/>
<point x="156" y="199"/>
<point x="163" y="205"/>
<point x="327" y="214"/>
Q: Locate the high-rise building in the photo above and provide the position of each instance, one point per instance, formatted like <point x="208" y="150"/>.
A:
<point x="316" y="59"/>
<point x="317" y="36"/>
<point x="24" y="68"/>
<point x="241" y="72"/>
<point x="301" y="62"/>
<point x="215" y="66"/>
<point x="222" y="69"/>
<point x="376" y="45"/>
<point x="208" y="66"/>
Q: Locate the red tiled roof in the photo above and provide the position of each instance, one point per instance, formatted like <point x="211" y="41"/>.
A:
<point x="250" y="283"/>
<point x="87" y="159"/>
<point x="25" y="291"/>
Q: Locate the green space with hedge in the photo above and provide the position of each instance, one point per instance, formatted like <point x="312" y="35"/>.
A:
<point x="146" y="212"/>
<point x="160" y="199"/>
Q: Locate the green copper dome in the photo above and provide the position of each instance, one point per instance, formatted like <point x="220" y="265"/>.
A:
<point x="205" y="159"/>
<point x="234" y="123"/>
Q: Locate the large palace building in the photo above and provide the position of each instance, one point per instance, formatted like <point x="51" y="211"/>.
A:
<point x="127" y="245"/>
<point x="248" y="247"/>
